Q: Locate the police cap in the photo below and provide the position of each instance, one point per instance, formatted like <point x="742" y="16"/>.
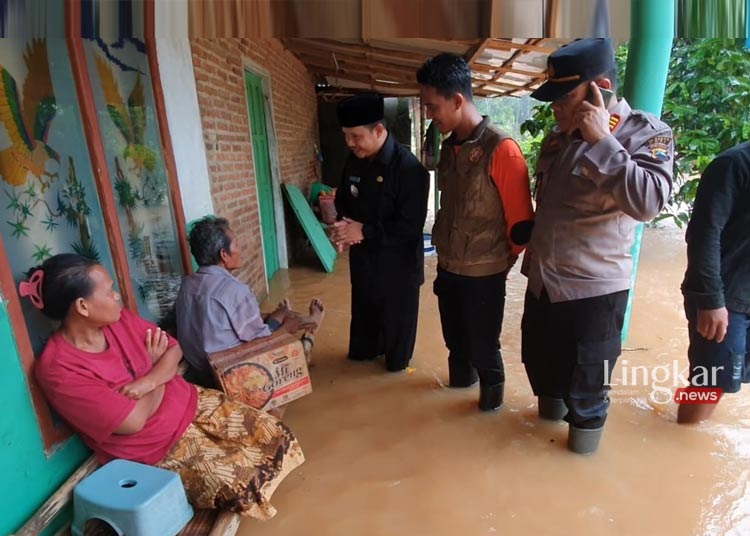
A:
<point x="579" y="61"/>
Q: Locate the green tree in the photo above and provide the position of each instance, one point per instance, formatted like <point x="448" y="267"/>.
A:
<point x="707" y="104"/>
<point x="506" y="113"/>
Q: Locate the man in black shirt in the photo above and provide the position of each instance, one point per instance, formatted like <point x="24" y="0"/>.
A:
<point x="717" y="281"/>
<point x="382" y="206"/>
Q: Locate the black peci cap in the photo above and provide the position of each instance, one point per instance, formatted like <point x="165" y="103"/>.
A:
<point x="359" y="110"/>
<point x="579" y="61"/>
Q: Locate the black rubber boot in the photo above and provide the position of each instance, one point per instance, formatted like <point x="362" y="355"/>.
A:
<point x="491" y="396"/>
<point x="461" y="374"/>
<point x="395" y="366"/>
<point x="584" y="441"/>
<point x="552" y="409"/>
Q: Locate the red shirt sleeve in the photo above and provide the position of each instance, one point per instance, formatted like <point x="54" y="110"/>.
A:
<point x="92" y="406"/>
<point x="511" y="177"/>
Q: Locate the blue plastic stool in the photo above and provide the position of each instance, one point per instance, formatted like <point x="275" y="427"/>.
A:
<point x="135" y="499"/>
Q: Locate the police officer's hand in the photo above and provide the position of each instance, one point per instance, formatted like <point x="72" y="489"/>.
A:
<point x="346" y="233"/>
<point x="592" y="119"/>
<point x="713" y="323"/>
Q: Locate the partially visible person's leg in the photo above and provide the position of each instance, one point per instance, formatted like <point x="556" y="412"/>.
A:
<point x="448" y="290"/>
<point x="713" y="364"/>
<point x="598" y="329"/>
<point x="315" y="317"/>
<point x="548" y="354"/>
<point x="284" y="305"/>
<point x="400" y="314"/>
<point x="280" y="313"/>
<point x="482" y="307"/>
<point x="702" y="353"/>
<point x="364" y="330"/>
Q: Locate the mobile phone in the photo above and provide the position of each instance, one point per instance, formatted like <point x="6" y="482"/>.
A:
<point x="606" y="96"/>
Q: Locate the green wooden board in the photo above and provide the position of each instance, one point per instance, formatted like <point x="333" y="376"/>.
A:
<point x="322" y="246"/>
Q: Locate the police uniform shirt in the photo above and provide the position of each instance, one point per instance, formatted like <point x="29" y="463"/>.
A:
<point x="589" y="200"/>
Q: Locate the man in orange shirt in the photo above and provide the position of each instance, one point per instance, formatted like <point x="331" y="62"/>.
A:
<point x="484" y="221"/>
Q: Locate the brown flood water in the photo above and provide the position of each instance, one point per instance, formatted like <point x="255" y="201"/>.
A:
<point x="404" y="455"/>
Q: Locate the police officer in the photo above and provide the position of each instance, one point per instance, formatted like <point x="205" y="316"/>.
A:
<point x="382" y="206"/>
<point x="602" y="169"/>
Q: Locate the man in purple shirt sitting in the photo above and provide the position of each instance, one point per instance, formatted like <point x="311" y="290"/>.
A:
<point x="216" y="311"/>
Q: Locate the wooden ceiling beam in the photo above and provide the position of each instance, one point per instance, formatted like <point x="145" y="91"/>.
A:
<point x="476" y="52"/>
<point x="370" y="74"/>
<point x="328" y="61"/>
<point x="332" y="44"/>
<point x="502" y="44"/>
<point x="514" y="56"/>
<point x="490" y="83"/>
<point x="355" y="56"/>
<point x="366" y="79"/>
<point x="493" y="69"/>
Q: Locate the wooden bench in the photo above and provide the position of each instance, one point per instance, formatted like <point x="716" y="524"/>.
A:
<point x="204" y="522"/>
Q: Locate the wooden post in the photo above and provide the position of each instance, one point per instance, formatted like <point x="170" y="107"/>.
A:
<point x="96" y="151"/>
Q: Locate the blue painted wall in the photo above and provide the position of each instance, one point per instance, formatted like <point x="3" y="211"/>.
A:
<point x="29" y="477"/>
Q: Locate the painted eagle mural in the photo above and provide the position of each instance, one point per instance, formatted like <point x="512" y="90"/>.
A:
<point x="28" y="121"/>
<point x="130" y="120"/>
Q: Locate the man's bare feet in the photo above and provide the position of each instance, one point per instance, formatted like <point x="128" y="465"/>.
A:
<point x="294" y="321"/>
<point x="317" y="312"/>
<point x="282" y="311"/>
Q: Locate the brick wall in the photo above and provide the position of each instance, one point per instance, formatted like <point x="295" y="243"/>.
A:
<point x="218" y="65"/>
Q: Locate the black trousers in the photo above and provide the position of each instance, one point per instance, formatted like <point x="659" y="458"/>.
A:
<point x="384" y="321"/>
<point x="471" y="315"/>
<point x="569" y="350"/>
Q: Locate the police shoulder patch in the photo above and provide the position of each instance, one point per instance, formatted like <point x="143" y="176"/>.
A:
<point x="658" y="148"/>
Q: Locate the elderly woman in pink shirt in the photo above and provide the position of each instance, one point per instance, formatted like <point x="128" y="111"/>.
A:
<point x="113" y="377"/>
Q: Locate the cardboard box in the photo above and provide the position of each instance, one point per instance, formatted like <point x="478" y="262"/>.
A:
<point x="263" y="374"/>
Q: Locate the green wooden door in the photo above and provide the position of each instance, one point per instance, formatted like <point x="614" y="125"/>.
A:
<point x="262" y="159"/>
